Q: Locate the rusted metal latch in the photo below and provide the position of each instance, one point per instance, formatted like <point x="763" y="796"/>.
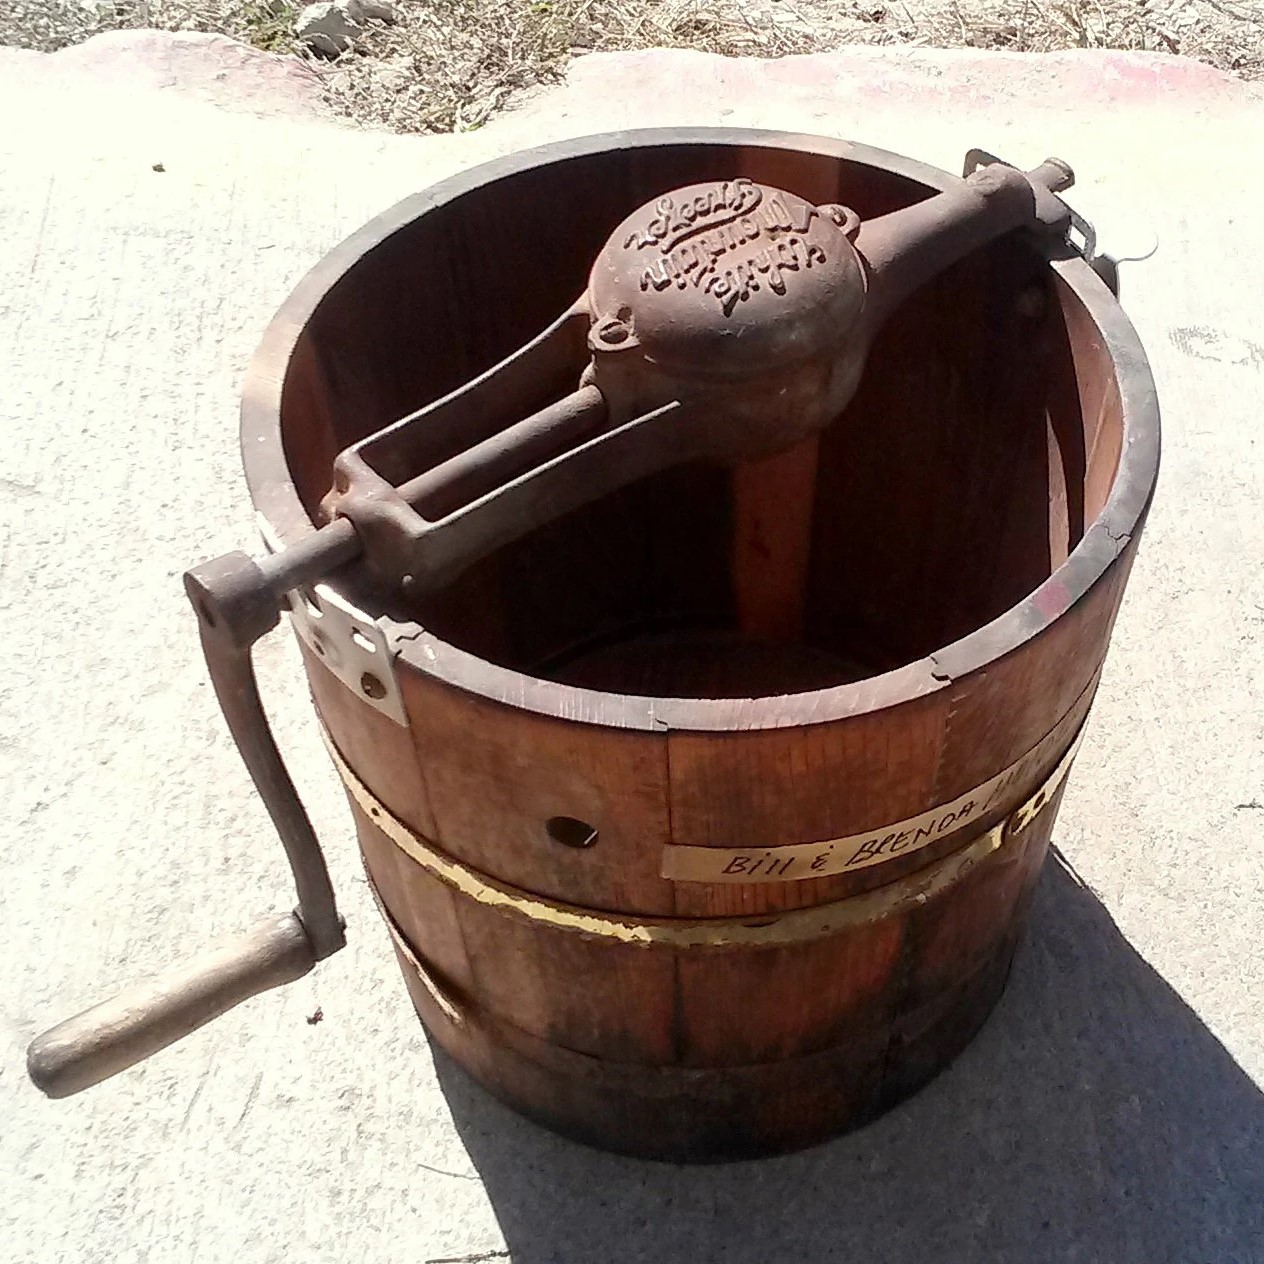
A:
<point x="724" y="322"/>
<point x="1081" y="235"/>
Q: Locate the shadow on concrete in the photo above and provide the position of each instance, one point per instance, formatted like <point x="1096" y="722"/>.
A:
<point x="1095" y="1118"/>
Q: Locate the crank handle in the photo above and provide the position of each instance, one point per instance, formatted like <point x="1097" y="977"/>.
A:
<point x="234" y="609"/>
<point x="129" y="1027"/>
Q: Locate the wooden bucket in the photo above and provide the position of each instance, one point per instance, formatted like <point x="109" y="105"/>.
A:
<point x="704" y="820"/>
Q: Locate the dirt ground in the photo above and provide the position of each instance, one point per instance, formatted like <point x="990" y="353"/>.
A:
<point x="448" y="65"/>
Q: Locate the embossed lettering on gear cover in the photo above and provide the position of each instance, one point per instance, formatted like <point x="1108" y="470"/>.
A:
<point x="797" y="862"/>
<point x="728" y="281"/>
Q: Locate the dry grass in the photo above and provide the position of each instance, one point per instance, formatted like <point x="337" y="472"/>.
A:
<point x="48" y="25"/>
<point x="450" y="64"/>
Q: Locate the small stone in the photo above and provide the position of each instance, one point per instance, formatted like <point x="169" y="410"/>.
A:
<point x="394" y="78"/>
<point x="327" y="28"/>
<point x="159" y="167"/>
<point x="368" y="10"/>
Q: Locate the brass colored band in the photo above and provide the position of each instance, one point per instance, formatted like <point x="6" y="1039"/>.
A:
<point x="448" y="1006"/>
<point x="769" y="930"/>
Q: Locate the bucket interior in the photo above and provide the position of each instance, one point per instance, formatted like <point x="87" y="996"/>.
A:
<point x="984" y="438"/>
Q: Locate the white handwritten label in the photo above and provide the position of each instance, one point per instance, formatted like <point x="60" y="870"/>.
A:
<point x="800" y="861"/>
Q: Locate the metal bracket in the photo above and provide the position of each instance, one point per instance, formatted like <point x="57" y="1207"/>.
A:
<point x="1081" y="235"/>
<point x="1079" y="227"/>
<point x="347" y="640"/>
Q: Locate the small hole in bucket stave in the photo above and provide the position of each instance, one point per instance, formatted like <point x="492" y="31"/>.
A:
<point x="571" y="832"/>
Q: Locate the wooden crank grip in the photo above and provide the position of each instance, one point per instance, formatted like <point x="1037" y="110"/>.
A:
<point x="126" y="1029"/>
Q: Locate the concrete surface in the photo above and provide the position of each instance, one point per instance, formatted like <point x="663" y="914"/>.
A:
<point x="181" y="66"/>
<point x="1111" y="1109"/>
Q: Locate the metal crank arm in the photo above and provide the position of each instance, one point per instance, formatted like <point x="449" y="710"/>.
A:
<point x="233" y="611"/>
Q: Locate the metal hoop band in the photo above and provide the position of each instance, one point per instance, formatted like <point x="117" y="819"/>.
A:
<point x="770" y="930"/>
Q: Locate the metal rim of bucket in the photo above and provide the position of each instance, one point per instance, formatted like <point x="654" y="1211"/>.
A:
<point x="276" y="498"/>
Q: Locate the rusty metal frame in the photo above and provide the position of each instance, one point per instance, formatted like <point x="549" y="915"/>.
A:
<point x="1099" y="549"/>
<point x="453" y="481"/>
